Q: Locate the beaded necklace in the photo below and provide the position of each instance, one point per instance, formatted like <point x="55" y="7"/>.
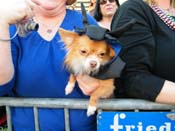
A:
<point x="166" y="18"/>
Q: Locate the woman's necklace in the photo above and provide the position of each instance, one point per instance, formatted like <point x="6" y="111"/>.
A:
<point x="165" y="17"/>
<point x="49" y="29"/>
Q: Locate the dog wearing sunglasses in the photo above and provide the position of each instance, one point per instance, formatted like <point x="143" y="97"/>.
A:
<point x="85" y="56"/>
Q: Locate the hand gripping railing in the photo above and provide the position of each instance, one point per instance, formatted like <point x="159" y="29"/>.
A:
<point x="106" y="104"/>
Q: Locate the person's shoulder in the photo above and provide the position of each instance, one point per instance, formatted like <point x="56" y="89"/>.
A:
<point x="74" y="18"/>
<point x="78" y="15"/>
<point x="72" y="12"/>
<point x="135" y="4"/>
<point x="138" y="7"/>
<point x="91" y="19"/>
<point x="132" y="9"/>
<point x="73" y="15"/>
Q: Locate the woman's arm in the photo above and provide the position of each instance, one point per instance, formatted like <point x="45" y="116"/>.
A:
<point x="10" y="14"/>
<point x="139" y="79"/>
<point x="167" y="93"/>
<point x="6" y="65"/>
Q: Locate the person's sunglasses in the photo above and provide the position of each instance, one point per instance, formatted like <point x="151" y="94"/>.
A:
<point x="102" y="2"/>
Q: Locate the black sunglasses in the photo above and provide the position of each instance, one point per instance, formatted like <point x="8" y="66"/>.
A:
<point x="102" y="2"/>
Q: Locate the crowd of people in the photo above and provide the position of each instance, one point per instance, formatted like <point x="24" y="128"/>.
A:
<point x="32" y="66"/>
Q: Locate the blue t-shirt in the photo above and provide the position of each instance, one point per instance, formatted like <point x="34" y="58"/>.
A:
<point x="40" y="73"/>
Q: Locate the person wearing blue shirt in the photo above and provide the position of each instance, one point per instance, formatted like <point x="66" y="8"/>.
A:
<point x="33" y="65"/>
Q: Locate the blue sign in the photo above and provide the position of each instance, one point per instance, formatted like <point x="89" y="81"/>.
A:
<point x="136" y="121"/>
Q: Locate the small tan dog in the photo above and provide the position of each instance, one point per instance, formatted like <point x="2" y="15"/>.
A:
<point x="85" y="56"/>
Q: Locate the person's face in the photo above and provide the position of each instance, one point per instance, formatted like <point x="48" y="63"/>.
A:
<point x="108" y="7"/>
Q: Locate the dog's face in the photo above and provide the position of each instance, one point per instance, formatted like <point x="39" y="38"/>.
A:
<point x="84" y="56"/>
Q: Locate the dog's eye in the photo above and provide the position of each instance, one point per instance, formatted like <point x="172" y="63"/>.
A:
<point x="83" y="52"/>
<point x="102" y="54"/>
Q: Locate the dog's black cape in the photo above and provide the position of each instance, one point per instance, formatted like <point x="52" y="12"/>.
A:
<point x="114" y="68"/>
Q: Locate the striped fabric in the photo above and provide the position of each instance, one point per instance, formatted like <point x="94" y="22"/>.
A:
<point x="166" y="18"/>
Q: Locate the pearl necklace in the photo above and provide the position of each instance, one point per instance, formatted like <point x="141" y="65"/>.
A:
<point x="165" y="17"/>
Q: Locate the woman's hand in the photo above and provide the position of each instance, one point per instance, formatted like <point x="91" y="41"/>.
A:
<point x="87" y="84"/>
<point x="13" y="11"/>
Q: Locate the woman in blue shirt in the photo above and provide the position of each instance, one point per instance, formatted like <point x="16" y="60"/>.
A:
<point x="32" y="66"/>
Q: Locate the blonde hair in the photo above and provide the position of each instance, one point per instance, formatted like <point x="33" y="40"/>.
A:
<point x="153" y="1"/>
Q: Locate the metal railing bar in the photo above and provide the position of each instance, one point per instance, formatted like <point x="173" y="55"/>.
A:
<point x="106" y="104"/>
<point x="9" y="121"/>
<point x="36" y="120"/>
<point x="99" y="110"/>
<point x="136" y="110"/>
<point x="173" y="110"/>
<point x="66" y="116"/>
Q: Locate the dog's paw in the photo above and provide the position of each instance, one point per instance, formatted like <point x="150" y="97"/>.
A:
<point x="69" y="88"/>
<point x="91" y="110"/>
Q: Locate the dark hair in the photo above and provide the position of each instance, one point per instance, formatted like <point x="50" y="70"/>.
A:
<point x="97" y="12"/>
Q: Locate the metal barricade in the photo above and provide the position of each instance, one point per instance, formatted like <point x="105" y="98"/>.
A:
<point x="66" y="104"/>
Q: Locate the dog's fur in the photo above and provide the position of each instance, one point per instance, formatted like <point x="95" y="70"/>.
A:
<point x="85" y="56"/>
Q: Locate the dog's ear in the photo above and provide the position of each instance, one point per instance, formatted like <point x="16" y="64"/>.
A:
<point x="111" y="52"/>
<point x="67" y="36"/>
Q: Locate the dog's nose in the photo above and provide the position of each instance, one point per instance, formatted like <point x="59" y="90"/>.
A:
<point x="93" y="64"/>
